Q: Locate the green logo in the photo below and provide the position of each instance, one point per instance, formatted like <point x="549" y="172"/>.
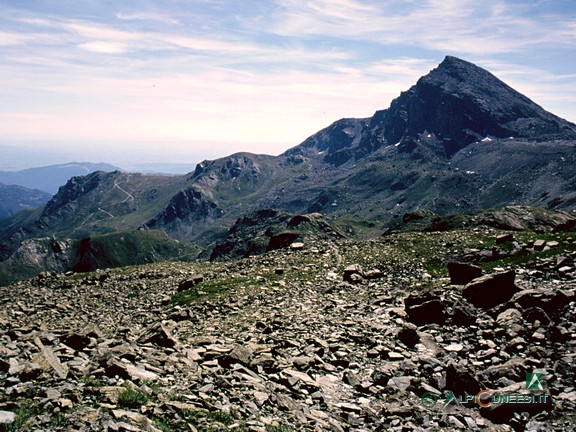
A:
<point x="450" y="397"/>
<point x="534" y="381"/>
<point x="429" y="399"/>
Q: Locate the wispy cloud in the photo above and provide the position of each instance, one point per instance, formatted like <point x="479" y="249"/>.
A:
<point x="463" y="26"/>
<point x="149" y="16"/>
<point x="10" y="39"/>
<point x="104" y="47"/>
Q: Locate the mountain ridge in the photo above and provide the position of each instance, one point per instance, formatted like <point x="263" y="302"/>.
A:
<point x="49" y="178"/>
<point x="440" y="146"/>
<point x="14" y="198"/>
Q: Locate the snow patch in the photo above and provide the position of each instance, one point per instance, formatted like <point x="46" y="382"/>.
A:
<point x="349" y="132"/>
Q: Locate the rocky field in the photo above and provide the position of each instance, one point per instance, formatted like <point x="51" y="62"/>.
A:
<point x="336" y="335"/>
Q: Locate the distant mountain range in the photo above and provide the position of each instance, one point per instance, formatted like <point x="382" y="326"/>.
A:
<point x="50" y="178"/>
<point x="458" y="141"/>
<point x="17" y="198"/>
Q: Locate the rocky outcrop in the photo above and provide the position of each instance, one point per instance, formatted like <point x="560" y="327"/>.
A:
<point x="186" y="213"/>
<point x="461" y="103"/>
<point x="269" y="229"/>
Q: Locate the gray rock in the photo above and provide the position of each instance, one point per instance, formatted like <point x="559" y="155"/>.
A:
<point x="159" y="334"/>
<point x="547" y="299"/>
<point x="239" y="354"/>
<point x="539" y="245"/>
<point x="353" y="273"/>
<point x="7" y="417"/>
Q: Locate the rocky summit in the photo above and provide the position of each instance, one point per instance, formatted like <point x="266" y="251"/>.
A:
<point x="467" y="329"/>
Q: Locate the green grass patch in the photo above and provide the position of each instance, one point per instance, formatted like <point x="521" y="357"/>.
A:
<point x="528" y="256"/>
<point x="58" y="420"/>
<point x="216" y="287"/>
<point x="202" y="420"/>
<point x="131" y="398"/>
<point x="90" y="381"/>
<point x="436" y="267"/>
<point x="126" y="248"/>
<point x="24" y="412"/>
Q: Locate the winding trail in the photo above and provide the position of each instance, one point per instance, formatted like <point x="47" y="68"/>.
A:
<point x="129" y="197"/>
<point x="108" y="213"/>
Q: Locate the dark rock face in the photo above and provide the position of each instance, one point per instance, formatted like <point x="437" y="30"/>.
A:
<point x="461" y="103"/>
<point x="504" y="412"/>
<point x="491" y="290"/>
<point x="335" y="141"/>
<point x="460" y="380"/>
<point x="462" y="273"/>
<point x="253" y="234"/>
<point x="186" y="206"/>
<point x="282" y="240"/>
<point x="426" y="309"/>
<point x="408" y="336"/>
<point x="76" y="187"/>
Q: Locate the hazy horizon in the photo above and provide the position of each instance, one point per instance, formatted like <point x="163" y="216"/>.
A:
<point x="29" y="154"/>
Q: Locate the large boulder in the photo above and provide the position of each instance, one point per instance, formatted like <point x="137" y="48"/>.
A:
<point x="425" y="309"/>
<point x="462" y="273"/>
<point x="491" y="290"/>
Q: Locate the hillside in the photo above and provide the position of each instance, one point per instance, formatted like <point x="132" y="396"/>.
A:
<point x="17" y="198"/>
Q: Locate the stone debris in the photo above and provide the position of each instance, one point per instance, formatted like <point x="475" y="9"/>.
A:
<point x="297" y="349"/>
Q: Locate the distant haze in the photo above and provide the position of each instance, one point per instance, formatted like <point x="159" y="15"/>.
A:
<point x="142" y="157"/>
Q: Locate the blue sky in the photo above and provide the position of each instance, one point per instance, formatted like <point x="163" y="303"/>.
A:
<point x="180" y="81"/>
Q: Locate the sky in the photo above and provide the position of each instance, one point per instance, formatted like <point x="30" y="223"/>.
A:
<point x="180" y="81"/>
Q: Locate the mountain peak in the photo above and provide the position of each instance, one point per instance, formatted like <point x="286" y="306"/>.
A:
<point x="455" y="62"/>
<point x="455" y="74"/>
<point x="461" y="103"/>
